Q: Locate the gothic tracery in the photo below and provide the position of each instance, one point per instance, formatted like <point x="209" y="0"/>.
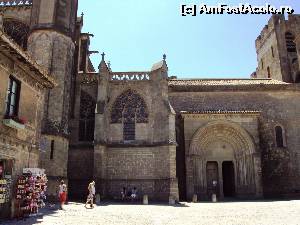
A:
<point x="130" y="107"/>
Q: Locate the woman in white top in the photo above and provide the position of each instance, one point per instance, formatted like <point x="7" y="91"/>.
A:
<point x="62" y="192"/>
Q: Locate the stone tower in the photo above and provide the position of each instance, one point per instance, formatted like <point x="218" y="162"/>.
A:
<point x="278" y="50"/>
<point x="51" y="44"/>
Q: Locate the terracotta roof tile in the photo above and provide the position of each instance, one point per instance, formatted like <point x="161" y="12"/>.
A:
<point x="224" y="82"/>
<point x="222" y="112"/>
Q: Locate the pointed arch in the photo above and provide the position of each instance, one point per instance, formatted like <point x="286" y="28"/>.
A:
<point x="129" y="107"/>
<point x="280" y="137"/>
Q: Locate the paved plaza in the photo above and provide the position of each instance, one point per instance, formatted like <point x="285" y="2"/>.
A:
<point x="226" y="213"/>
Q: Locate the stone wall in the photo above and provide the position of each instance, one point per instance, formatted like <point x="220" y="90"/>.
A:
<point x="20" y="146"/>
<point x="149" y="169"/>
<point x="280" y="166"/>
<point x="80" y="170"/>
<point x="149" y="160"/>
<point x="56" y="167"/>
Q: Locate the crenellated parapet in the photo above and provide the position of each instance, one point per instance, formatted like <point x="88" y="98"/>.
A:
<point x="268" y="29"/>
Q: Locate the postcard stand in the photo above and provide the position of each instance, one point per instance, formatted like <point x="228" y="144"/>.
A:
<point x="30" y="192"/>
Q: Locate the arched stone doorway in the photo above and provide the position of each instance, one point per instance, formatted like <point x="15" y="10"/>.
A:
<point x="226" y="149"/>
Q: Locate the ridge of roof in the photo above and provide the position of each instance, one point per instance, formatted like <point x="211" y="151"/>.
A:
<point x="222" y="81"/>
<point x="221" y="112"/>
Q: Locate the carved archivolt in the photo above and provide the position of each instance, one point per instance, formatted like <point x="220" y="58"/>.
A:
<point x="129" y="107"/>
<point x="231" y="133"/>
<point x="238" y="139"/>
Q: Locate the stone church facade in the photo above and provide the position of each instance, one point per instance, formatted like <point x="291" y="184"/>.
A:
<point x="168" y="137"/>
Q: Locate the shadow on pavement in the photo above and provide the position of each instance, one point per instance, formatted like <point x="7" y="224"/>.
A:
<point x="49" y="210"/>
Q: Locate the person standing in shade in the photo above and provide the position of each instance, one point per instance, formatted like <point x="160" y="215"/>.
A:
<point x="123" y="193"/>
<point x="62" y="192"/>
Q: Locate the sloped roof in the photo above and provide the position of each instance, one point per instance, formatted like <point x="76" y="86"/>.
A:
<point x="223" y="82"/>
<point x="221" y="112"/>
<point x="198" y="85"/>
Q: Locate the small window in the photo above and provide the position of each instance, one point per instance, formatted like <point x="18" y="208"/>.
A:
<point x="290" y="44"/>
<point x="262" y="63"/>
<point x="279" y="136"/>
<point x="13" y="96"/>
<point x="52" y="150"/>
<point x="272" y="50"/>
<point x="269" y="73"/>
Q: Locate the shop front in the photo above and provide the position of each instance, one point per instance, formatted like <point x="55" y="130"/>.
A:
<point x="5" y="187"/>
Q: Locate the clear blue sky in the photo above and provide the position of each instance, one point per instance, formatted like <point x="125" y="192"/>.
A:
<point x="134" y="34"/>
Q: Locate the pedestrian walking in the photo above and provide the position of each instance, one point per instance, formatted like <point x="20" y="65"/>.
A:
<point x="62" y="193"/>
<point x="91" y="195"/>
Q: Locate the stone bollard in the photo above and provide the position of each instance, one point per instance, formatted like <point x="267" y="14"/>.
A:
<point x="145" y="199"/>
<point x="214" y="198"/>
<point x="195" y="198"/>
<point x="97" y="199"/>
<point x="171" y="200"/>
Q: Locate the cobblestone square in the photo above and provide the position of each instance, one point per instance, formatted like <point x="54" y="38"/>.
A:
<point x="224" y="213"/>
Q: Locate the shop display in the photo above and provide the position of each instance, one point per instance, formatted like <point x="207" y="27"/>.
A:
<point x="5" y="184"/>
<point x="2" y="191"/>
<point x="30" y="193"/>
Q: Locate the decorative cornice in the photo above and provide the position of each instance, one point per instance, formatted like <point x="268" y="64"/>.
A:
<point x="88" y="78"/>
<point x="13" y="3"/>
<point x="134" y="144"/>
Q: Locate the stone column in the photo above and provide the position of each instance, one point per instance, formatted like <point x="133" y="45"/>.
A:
<point x="189" y="177"/>
<point x="258" y="175"/>
<point x="1" y="21"/>
<point x="220" y="185"/>
<point x="297" y="41"/>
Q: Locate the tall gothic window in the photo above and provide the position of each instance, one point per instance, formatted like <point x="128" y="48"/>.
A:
<point x="87" y="117"/>
<point x="18" y="31"/>
<point x="279" y="136"/>
<point x="128" y="109"/>
<point x="290" y="44"/>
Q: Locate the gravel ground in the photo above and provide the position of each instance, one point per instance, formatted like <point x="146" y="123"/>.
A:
<point x="225" y="213"/>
